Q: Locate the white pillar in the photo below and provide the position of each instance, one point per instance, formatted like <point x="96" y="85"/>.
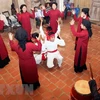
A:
<point x="60" y="5"/>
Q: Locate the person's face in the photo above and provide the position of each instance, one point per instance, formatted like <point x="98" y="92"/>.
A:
<point x="24" y="9"/>
<point x="33" y="40"/>
<point x="36" y="9"/>
<point x="83" y="15"/>
<point x="52" y="38"/>
<point x="41" y="7"/>
<point x="48" y="5"/>
<point x="54" y="6"/>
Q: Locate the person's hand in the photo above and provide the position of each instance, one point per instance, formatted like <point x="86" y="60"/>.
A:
<point x="64" y="7"/>
<point x="72" y="22"/>
<point x="32" y="9"/>
<point x="17" y="10"/>
<point x="43" y="7"/>
<point x="59" y="20"/>
<point x="10" y="36"/>
<point x="73" y="12"/>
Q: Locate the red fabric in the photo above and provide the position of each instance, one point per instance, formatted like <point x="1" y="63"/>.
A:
<point x="51" y="36"/>
<point x="27" y="62"/>
<point x="1" y="25"/>
<point x="54" y="15"/>
<point x="24" y="19"/>
<point x="79" y="20"/>
<point x="3" y="50"/>
<point x="69" y="13"/>
<point x="82" y="44"/>
<point x="44" y="56"/>
<point x="52" y="51"/>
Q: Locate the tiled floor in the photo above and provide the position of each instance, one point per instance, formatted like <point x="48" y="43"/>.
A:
<point x="56" y="84"/>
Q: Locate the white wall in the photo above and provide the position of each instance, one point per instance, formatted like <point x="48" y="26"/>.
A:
<point x="5" y="5"/>
<point x="72" y="1"/>
<point x="20" y="2"/>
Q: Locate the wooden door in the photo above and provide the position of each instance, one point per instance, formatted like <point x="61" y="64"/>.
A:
<point x="95" y="10"/>
<point x="82" y="3"/>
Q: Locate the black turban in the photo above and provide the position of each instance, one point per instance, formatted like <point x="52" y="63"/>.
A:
<point x="86" y="11"/>
<point x="21" y="36"/>
<point x="87" y="24"/>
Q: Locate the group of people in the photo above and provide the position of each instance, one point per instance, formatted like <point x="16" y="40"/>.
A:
<point x="44" y="44"/>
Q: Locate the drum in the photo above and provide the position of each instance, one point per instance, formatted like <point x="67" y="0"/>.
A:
<point x="81" y="91"/>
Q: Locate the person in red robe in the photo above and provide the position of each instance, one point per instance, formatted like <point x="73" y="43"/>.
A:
<point x="82" y="43"/>
<point x="24" y="19"/>
<point x="4" y="58"/>
<point x="27" y="64"/>
<point x="1" y="25"/>
<point x="54" y="14"/>
<point x="84" y="15"/>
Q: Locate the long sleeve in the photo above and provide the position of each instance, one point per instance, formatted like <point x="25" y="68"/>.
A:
<point x="32" y="15"/>
<point x="76" y="18"/>
<point x="46" y="13"/>
<point x="19" y="17"/>
<point x="61" y="14"/>
<point x="37" y="47"/>
<point x="60" y="42"/>
<point x="77" y="34"/>
<point x="58" y="31"/>
<point x="42" y="33"/>
<point x="13" y="45"/>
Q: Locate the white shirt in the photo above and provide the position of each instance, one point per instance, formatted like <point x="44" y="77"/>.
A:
<point x="51" y="46"/>
<point x="37" y="14"/>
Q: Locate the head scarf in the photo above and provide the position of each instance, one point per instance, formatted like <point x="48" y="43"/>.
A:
<point x="87" y="24"/>
<point x="21" y="36"/>
<point x="86" y="11"/>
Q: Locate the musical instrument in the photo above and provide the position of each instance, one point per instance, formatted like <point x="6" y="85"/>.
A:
<point x="81" y="91"/>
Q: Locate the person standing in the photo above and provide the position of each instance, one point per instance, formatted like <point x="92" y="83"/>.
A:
<point x="27" y="64"/>
<point x="82" y="44"/>
<point x="84" y="15"/>
<point x="54" y="14"/>
<point x="4" y="58"/>
<point x="24" y="19"/>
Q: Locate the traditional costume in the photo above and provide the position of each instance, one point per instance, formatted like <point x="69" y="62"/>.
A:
<point x="79" y="20"/>
<point x="51" y="47"/>
<point x="27" y="64"/>
<point x="24" y="19"/>
<point x="4" y="58"/>
<point x="54" y="15"/>
<point x="82" y="44"/>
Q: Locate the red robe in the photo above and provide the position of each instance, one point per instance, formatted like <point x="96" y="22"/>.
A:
<point x="27" y="64"/>
<point x="81" y="49"/>
<point x="79" y="20"/>
<point x="4" y="58"/>
<point x="24" y="19"/>
<point x="3" y="50"/>
<point x="1" y="25"/>
<point x="54" y="15"/>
